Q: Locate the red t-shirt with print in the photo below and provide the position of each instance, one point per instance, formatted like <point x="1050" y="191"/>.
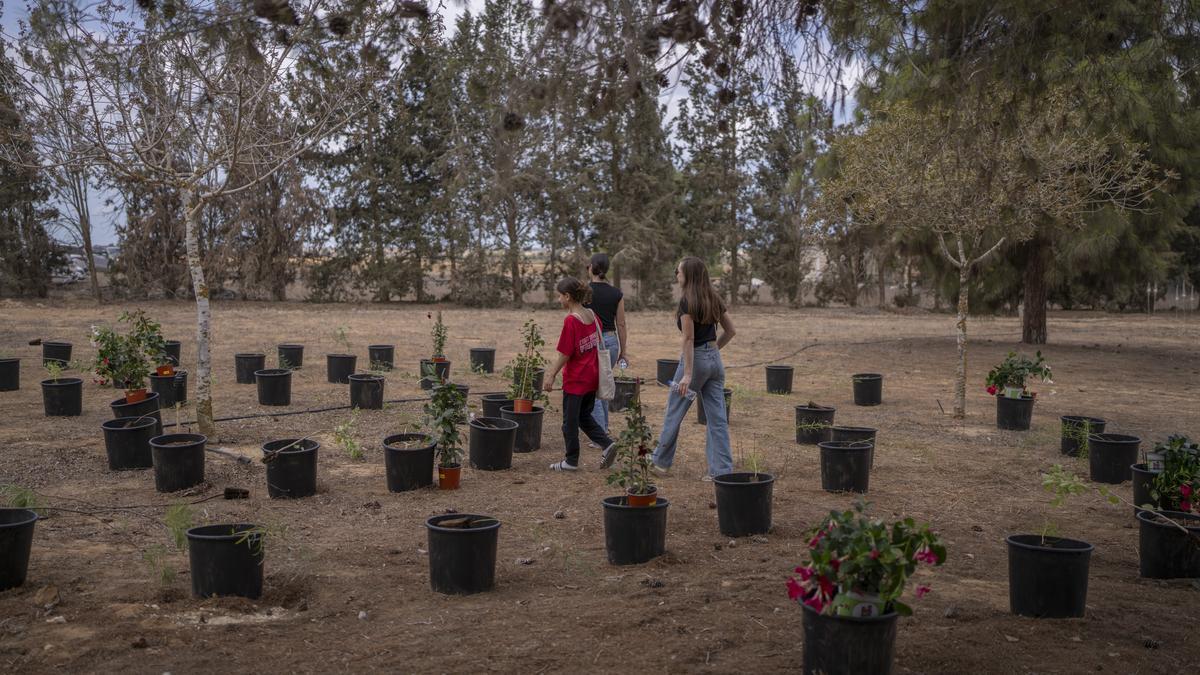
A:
<point x="578" y="341"/>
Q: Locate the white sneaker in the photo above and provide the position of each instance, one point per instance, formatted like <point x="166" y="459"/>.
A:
<point x="706" y="478"/>
<point x="659" y="470"/>
<point x="563" y="466"/>
<point x="608" y="456"/>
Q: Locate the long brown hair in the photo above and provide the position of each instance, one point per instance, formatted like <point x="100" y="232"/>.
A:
<point x="576" y="289"/>
<point x="703" y="303"/>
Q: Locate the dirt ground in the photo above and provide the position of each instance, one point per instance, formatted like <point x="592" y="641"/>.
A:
<point x="347" y="589"/>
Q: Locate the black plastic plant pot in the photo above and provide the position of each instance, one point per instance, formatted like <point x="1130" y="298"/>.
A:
<point x="291" y="468"/>
<point x="181" y="386"/>
<point x="666" y="371"/>
<point x="491" y="443"/>
<point x="291" y="356"/>
<point x="539" y="379"/>
<point x="339" y="367"/>
<point x="366" y="391"/>
<point x="492" y="403"/>
<point x="1165" y="550"/>
<point x="483" y="359"/>
<point x="845" y="466"/>
<point x="529" y="428"/>
<point x="813" y="424"/>
<point x="1014" y="414"/>
<point x="408" y="460"/>
<point x="16" y="541"/>
<point x="127" y="442"/>
<point x="634" y="534"/>
<point x="462" y="553"/>
<point x="145" y="407"/>
<point x="744" y="503"/>
<point x="848" y="645"/>
<point x="178" y="461"/>
<point x="173" y="349"/>
<point x="1075" y="430"/>
<point x="1143" y="482"/>
<point x="56" y="352"/>
<point x="274" y="386"/>
<point x="866" y="434"/>
<point x="1047" y="578"/>
<point x="164" y="386"/>
<point x="779" y="379"/>
<point x="245" y="365"/>
<point x="382" y="357"/>
<point x="10" y="374"/>
<point x="627" y="389"/>
<point x="868" y="388"/>
<point x="702" y="418"/>
<point x="428" y="374"/>
<point x="226" y="560"/>
<point x="63" y="397"/>
<point x="1110" y="456"/>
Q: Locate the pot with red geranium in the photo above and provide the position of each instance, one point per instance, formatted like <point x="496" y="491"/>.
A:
<point x="851" y="586"/>
<point x="1169" y="530"/>
<point x="527" y="371"/>
<point x="128" y="359"/>
<point x="1014" y="403"/>
<point x="436" y="368"/>
<point x="635" y="524"/>
<point x="442" y="415"/>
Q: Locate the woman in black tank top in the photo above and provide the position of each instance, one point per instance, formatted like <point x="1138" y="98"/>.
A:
<point x="609" y="305"/>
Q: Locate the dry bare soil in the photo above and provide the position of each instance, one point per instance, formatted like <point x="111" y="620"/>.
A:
<point x="348" y="588"/>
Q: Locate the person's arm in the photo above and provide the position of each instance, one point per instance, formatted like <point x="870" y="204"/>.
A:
<point x="727" y="331"/>
<point x="689" y="346"/>
<point x="621" y="332"/>
<point x="548" y="385"/>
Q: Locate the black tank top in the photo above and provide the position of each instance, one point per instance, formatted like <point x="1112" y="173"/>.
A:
<point x="605" y="298"/>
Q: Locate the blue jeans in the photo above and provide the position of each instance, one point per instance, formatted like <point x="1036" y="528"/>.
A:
<point x="600" y="411"/>
<point x="708" y="380"/>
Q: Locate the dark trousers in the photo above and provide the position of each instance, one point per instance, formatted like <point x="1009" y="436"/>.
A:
<point x="577" y="414"/>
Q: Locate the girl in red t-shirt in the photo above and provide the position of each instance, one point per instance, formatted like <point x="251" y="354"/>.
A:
<point x="577" y="359"/>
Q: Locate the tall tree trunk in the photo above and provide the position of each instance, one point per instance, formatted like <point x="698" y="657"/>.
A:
<point x="960" y="375"/>
<point x="204" y="407"/>
<point x="1037" y="263"/>
<point x="514" y="255"/>
<point x="85" y="228"/>
<point x="881" y="274"/>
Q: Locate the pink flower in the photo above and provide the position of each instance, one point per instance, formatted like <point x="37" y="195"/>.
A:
<point x="874" y="554"/>
<point x="926" y="555"/>
<point x="795" y="590"/>
<point x="812" y="543"/>
<point x="816" y="603"/>
<point x="922" y="591"/>
<point x="835" y="564"/>
<point x="826" y="586"/>
<point x="1185" y="506"/>
<point x="1185" y="490"/>
<point x="805" y="573"/>
<point x="991" y="389"/>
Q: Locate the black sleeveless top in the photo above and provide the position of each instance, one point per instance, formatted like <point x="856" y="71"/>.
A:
<point x="703" y="332"/>
<point x="605" y="298"/>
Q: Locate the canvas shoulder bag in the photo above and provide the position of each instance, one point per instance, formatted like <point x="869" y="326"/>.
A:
<point x="608" y="387"/>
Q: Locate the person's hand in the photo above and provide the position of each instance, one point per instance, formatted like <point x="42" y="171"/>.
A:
<point x="682" y="384"/>
<point x="623" y="357"/>
<point x="549" y="385"/>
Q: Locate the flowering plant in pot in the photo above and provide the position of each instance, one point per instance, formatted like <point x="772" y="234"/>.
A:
<point x="859" y="566"/>
<point x="523" y="370"/>
<point x="439" y="339"/>
<point x="443" y="412"/>
<point x="1177" y="486"/>
<point x="1009" y="377"/>
<point x="632" y="469"/>
<point x="126" y="360"/>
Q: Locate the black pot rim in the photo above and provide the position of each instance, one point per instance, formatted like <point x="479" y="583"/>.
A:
<point x="301" y="448"/>
<point x="430" y="443"/>
<point x="839" y="427"/>
<point x="503" y="421"/>
<point x="56" y="343"/>
<point x="1083" y="418"/>
<point x="430" y="524"/>
<point x="365" y="377"/>
<point x="780" y="367"/>
<point x="272" y="372"/>
<point x="249" y="355"/>
<point x="381" y="346"/>
<point x="1084" y="547"/>
<point x="890" y="616"/>
<point x="496" y="397"/>
<point x="668" y="360"/>
<point x="10" y="359"/>
<point x="725" y="479"/>
<point x="62" y="382"/>
<point x="483" y="349"/>
<point x="537" y="410"/>
<point x="172" y="342"/>
<point x="867" y="376"/>
<point x="1140" y="467"/>
<point x="147" y="420"/>
<point x="841" y="446"/>
<point x="120" y="403"/>
<point x="156" y="376"/>
<point x="192" y="439"/>
<point x="290" y="345"/>
<point x="1123" y="439"/>
<point x="820" y="408"/>
<point x="238" y="528"/>
<point x="30" y="517"/>
<point x="341" y="356"/>
<point x="615" y="503"/>
<point x="1147" y="517"/>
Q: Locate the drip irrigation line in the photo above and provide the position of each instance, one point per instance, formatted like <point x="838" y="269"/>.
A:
<point x="816" y="343"/>
<point x="312" y="410"/>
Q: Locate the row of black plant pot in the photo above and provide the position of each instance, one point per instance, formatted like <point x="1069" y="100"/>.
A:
<point x="63" y="397"/>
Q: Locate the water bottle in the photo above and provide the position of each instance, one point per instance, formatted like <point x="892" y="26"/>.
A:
<point x="622" y="364"/>
<point x="687" y="393"/>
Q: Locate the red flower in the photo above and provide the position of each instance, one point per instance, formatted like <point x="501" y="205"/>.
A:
<point x="795" y="590"/>
<point x="1185" y="490"/>
<point x="991" y="389"/>
<point x="1185" y="506"/>
<point x="826" y="586"/>
<point x="926" y="555"/>
<point x="874" y="554"/>
<point x="812" y="543"/>
<point x="835" y="564"/>
<point x="805" y="573"/>
<point x="922" y="591"/>
<point x="643" y="451"/>
<point x="816" y="603"/>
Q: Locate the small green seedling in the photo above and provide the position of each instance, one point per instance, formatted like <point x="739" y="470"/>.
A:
<point x="343" y="436"/>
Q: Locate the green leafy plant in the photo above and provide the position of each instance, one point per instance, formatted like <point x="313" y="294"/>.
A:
<point x="257" y="537"/>
<point x="19" y="497"/>
<point x="128" y="359"/>
<point x="523" y="369"/>
<point x="859" y="566"/>
<point x="54" y="369"/>
<point x="1062" y="484"/>
<point x="341" y="337"/>
<point x="178" y="520"/>
<point x="156" y="557"/>
<point x="1078" y="433"/>
<point x="634" y="445"/>
<point x="343" y="436"/>
<point x="1177" y="486"/>
<point x="443" y="413"/>
<point x="1014" y="370"/>
<point x="439" y="337"/>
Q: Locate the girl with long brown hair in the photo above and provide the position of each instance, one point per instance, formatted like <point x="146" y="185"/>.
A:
<point x="700" y="369"/>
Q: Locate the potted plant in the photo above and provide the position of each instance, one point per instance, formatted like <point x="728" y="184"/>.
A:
<point x="408" y="461"/>
<point x="462" y="553"/>
<point x="635" y="524"/>
<point x="61" y="396"/>
<point x="1014" y="404"/>
<point x="527" y="370"/>
<point x="627" y="387"/>
<point x="339" y="367"/>
<point x="1169" y="537"/>
<point x="366" y="389"/>
<point x="227" y="559"/>
<point x="813" y="423"/>
<point x="442" y="414"/>
<point x="439" y="339"/>
<point x="1048" y="574"/>
<point x="1176" y="483"/>
<point x="851" y="585"/>
<point x="127" y="360"/>
<point x="291" y="467"/>
<point x="1075" y="432"/>
<point x="744" y="500"/>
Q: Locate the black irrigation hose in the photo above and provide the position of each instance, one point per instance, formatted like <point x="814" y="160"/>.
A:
<point x="313" y="410"/>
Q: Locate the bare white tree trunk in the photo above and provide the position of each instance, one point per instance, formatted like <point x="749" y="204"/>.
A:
<point x="960" y="375"/>
<point x="204" y="408"/>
